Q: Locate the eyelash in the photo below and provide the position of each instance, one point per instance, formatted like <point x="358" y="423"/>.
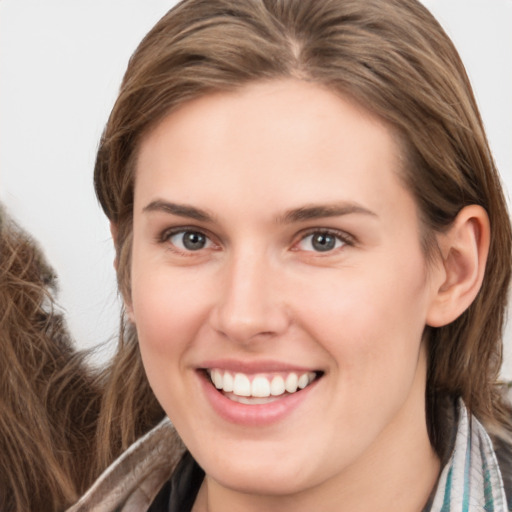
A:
<point x="166" y="235"/>
<point x="342" y="236"/>
<point x="345" y="238"/>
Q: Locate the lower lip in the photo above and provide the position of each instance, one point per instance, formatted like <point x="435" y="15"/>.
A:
<point x="257" y="414"/>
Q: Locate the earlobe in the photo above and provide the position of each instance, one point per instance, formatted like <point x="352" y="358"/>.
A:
<point x="464" y="249"/>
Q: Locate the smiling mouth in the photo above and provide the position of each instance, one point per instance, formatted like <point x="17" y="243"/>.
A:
<point x="260" y="388"/>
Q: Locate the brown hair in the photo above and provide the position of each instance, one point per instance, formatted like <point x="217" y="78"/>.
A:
<point x="49" y="400"/>
<point x="394" y="59"/>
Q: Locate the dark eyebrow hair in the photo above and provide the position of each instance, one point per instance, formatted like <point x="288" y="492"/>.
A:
<point x="320" y="211"/>
<point x="182" y="210"/>
<point x="295" y="215"/>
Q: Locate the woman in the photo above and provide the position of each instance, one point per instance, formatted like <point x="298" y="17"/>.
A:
<point x="314" y="253"/>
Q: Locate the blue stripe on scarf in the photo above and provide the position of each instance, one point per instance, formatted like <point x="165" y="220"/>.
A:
<point x="469" y="483"/>
<point x="447" y="492"/>
<point x="488" y="494"/>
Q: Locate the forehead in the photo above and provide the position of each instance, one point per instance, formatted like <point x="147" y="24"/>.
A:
<point x="289" y="137"/>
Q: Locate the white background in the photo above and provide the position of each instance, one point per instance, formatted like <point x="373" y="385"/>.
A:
<point x="61" y="63"/>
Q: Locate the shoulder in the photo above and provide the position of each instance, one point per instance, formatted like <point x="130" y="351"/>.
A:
<point x="478" y="469"/>
<point x="504" y="455"/>
<point x="502" y="441"/>
<point x="135" y="479"/>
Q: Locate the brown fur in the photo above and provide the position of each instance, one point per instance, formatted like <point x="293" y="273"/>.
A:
<point x="48" y="398"/>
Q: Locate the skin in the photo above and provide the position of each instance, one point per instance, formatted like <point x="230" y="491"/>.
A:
<point x="259" y="291"/>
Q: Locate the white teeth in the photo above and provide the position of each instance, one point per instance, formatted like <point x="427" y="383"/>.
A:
<point x="217" y="379"/>
<point x="241" y="385"/>
<point x="291" y="383"/>
<point x="251" y="400"/>
<point x="228" y="382"/>
<point x="277" y="386"/>
<point x="303" y="381"/>
<point x="261" y="387"/>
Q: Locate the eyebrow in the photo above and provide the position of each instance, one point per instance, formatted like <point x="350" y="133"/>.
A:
<point x="289" y="217"/>
<point x="182" y="210"/>
<point x="322" y="211"/>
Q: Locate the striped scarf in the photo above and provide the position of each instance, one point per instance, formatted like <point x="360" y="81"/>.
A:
<point x="471" y="481"/>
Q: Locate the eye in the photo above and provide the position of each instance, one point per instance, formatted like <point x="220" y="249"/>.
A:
<point x="188" y="240"/>
<point x="321" y="241"/>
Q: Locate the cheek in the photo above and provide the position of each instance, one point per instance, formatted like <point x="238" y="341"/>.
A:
<point x="167" y="316"/>
<point x="164" y="311"/>
<point x="150" y="301"/>
<point x="370" y="319"/>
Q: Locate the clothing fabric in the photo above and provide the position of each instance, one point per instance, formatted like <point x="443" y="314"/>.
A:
<point x="133" y="481"/>
<point x="472" y="479"/>
<point x="476" y="477"/>
<point x="179" y="494"/>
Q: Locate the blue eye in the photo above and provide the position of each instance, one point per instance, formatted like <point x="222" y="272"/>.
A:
<point x="189" y="240"/>
<point x="321" y="241"/>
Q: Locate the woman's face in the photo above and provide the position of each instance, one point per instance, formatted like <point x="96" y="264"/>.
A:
<point x="275" y="248"/>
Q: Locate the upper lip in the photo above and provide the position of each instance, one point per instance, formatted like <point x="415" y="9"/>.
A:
<point x="250" y="367"/>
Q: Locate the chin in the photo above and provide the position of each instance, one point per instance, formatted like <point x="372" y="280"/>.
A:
<point x="277" y="483"/>
<point x="269" y="478"/>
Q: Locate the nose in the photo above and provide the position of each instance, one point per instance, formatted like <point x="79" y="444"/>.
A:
<point x="250" y="303"/>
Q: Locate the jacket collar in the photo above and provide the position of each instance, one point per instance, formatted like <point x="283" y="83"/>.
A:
<point x="131" y="483"/>
<point x="471" y="477"/>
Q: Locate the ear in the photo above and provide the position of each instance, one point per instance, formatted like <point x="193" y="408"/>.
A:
<point x="463" y="249"/>
<point x="127" y="305"/>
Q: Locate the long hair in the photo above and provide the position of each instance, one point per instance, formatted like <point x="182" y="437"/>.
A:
<point x="394" y="59"/>
<point x="49" y="398"/>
